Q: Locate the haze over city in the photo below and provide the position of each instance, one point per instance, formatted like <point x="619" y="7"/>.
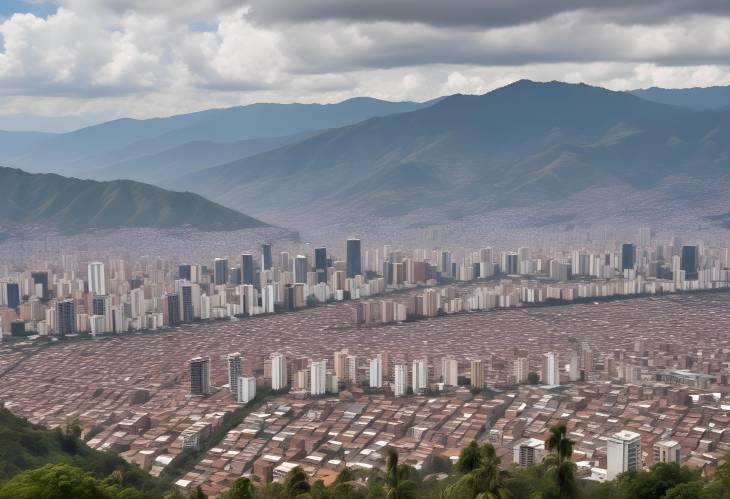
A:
<point x="370" y="249"/>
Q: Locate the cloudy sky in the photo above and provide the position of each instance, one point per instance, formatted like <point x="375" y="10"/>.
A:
<point x="68" y="63"/>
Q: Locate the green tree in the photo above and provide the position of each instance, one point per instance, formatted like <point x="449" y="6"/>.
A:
<point x="654" y="483"/>
<point x="398" y="483"/>
<point x="241" y="489"/>
<point x="481" y="477"/>
<point x="197" y="493"/>
<point x="533" y="378"/>
<point x="559" y="463"/>
<point x="57" y="481"/>
<point x="689" y="490"/>
<point x="296" y="483"/>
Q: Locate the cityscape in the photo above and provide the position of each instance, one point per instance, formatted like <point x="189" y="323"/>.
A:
<point x="356" y="249"/>
<point x="368" y="348"/>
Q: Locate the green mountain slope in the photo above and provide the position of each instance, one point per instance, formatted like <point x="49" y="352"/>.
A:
<point x="698" y="98"/>
<point x="71" y="204"/>
<point x="24" y="446"/>
<point x="521" y="143"/>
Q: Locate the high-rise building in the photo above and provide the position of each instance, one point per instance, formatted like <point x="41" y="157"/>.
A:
<point x="184" y="272"/>
<point x="188" y="307"/>
<point x="667" y="451"/>
<point x="266" y="256"/>
<point x="245" y="389"/>
<point x="318" y="380"/>
<point x="550" y="369"/>
<point x="234" y="371"/>
<point x="521" y="369"/>
<point x="574" y="366"/>
<point x="300" y="269"/>
<point x="450" y="371"/>
<point x="247" y="273"/>
<point x="97" y="285"/>
<point x="98" y="305"/>
<point x="420" y="375"/>
<point x="65" y="318"/>
<point x="353" y="258"/>
<point x="628" y="256"/>
<point x="12" y="294"/>
<point x="376" y="372"/>
<point x="528" y="452"/>
<point x="340" y="359"/>
<point x="279" y="372"/>
<point x="171" y="309"/>
<point x="400" y="380"/>
<point x="624" y="453"/>
<point x="477" y="374"/>
<point x="200" y="376"/>
<point x="690" y="262"/>
<point x="320" y="263"/>
<point x="220" y="271"/>
<point x="40" y="282"/>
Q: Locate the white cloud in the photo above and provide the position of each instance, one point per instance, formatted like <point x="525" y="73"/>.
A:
<point x="143" y="58"/>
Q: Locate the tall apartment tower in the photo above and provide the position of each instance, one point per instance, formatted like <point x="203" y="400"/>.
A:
<point x="690" y="262"/>
<point x="624" y="453"/>
<point x="318" y="380"/>
<point x="97" y="285"/>
<point x="477" y="373"/>
<point x="40" y="283"/>
<point x="353" y="258"/>
<point x="245" y="389"/>
<point x="300" y="269"/>
<point x="200" y="376"/>
<point x="247" y="273"/>
<point x="279" y="374"/>
<point x="550" y="369"/>
<point x="521" y="369"/>
<point x="376" y="372"/>
<point x="667" y="451"/>
<point x="234" y="371"/>
<point x="450" y="371"/>
<point x="628" y="256"/>
<point x="65" y="318"/>
<point x="420" y="375"/>
<point x="220" y="271"/>
<point x="401" y="380"/>
<point x="266" y="256"/>
<point x="320" y="263"/>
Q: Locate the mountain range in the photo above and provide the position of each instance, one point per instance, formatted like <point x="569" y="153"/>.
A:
<point x="698" y="98"/>
<point x="519" y="144"/>
<point x="71" y="205"/>
<point x="97" y="150"/>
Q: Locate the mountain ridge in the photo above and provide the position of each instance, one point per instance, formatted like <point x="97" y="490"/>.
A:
<point x="73" y="205"/>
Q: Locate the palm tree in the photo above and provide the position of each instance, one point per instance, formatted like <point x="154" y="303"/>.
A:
<point x="398" y="484"/>
<point x="482" y="479"/>
<point x="561" y="450"/>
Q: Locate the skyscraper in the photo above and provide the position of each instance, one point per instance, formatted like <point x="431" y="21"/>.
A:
<point x="300" y="269"/>
<point x="628" y="256"/>
<point x="12" y="294"/>
<point x="376" y="372"/>
<point x="40" y="281"/>
<point x="690" y="262"/>
<point x="171" y="309"/>
<point x="318" y="382"/>
<point x="521" y="369"/>
<point x="266" y="256"/>
<point x="279" y="375"/>
<point x="247" y="274"/>
<point x="97" y="285"/>
<point x="246" y="389"/>
<point x="65" y="318"/>
<point x="320" y="263"/>
<point x="624" y="453"/>
<point x="184" y="272"/>
<point x="234" y="371"/>
<point x="187" y="304"/>
<point x="550" y="369"/>
<point x="477" y="374"/>
<point x="401" y="380"/>
<point x="450" y="371"/>
<point x="420" y="375"/>
<point x="220" y="271"/>
<point x="200" y="376"/>
<point x="353" y="258"/>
